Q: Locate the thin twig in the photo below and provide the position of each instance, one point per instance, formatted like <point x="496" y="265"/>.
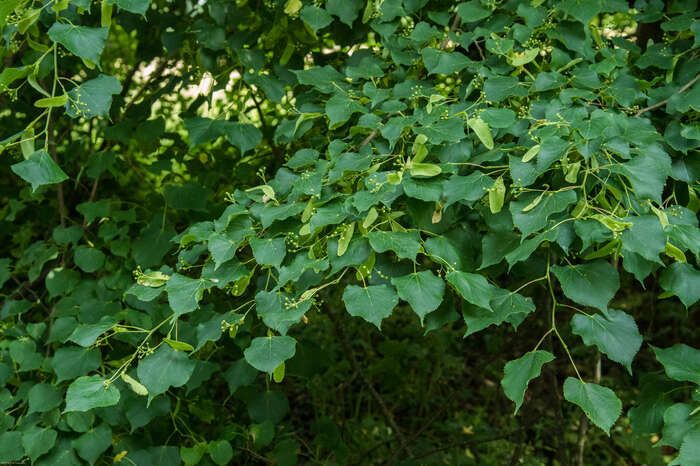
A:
<point x="687" y="86"/>
<point x="93" y="191"/>
<point x="369" y="138"/>
<point x="455" y="22"/>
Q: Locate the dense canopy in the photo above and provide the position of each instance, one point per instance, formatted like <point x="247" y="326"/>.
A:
<point x="349" y="232"/>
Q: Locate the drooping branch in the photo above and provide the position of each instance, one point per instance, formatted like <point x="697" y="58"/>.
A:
<point x="661" y="103"/>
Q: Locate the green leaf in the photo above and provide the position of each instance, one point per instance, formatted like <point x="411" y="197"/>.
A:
<point x="340" y="108"/>
<point x="266" y="353"/>
<point x="599" y="403"/>
<point x="70" y="362"/>
<point x="518" y="373"/>
<point x="505" y="306"/>
<point x="498" y="117"/>
<point x="473" y="287"/>
<point x="36" y="441"/>
<point x="531" y="153"/>
<point x="425" y="169"/>
<point x="443" y="130"/>
<point x="678" y="420"/>
<point x="647" y="173"/>
<point x="466" y="189"/>
<point x="325" y="78"/>
<point x="499" y="88"/>
<point x="644" y="237"/>
<point x="85" y="42"/>
<point x="192" y="456"/>
<point x="346" y="10"/>
<point x="202" y="130"/>
<point x="441" y="62"/>
<point x="278" y="373"/>
<point x="243" y="136"/>
<point x="49" y="102"/>
<point x="577" y="282"/>
<point x="482" y="131"/>
<point x="330" y="214"/>
<point x="372" y="303"/>
<point x="93" y="443"/>
<point x="523" y="58"/>
<point x="497" y="194"/>
<point x="681" y="362"/>
<point x="135" y="386"/>
<point x="239" y="374"/>
<point x="268" y="251"/>
<point x="647" y="417"/>
<point x="89" y="392"/>
<point x="683" y="280"/>
<point x="422" y="290"/>
<point x="184" y="293"/>
<point x="139" y="7"/>
<point x="61" y="281"/>
<point x="405" y="244"/>
<point x="44" y="397"/>
<point x="154" y="279"/>
<point x="345" y="238"/>
<point x="220" y="452"/>
<point x="614" y="333"/>
<point x="163" y="369"/>
<point x="689" y="453"/>
<point x="532" y="219"/>
<point x="280" y="311"/>
<point x="39" y="170"/>
<point x="93" y="98"/>
<point x="298" y="266"/>
<point x="11" y="447"/>
<point x="317" y="18"/>
<point x="421" y="188"/>
<point x="86" y="334"/>
<point x="88" y="259"/>
<point x="472" y="11"/>
<point x="178" y="345"/>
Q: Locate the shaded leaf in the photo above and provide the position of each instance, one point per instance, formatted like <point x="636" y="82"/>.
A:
<point x="518" y="373"/>
<point x="39" y="170"/>
<point x="599" y="403"/>
<point x="372" y="303"/>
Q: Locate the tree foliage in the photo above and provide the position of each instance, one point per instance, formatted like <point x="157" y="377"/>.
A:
<point x="218" y="216"/>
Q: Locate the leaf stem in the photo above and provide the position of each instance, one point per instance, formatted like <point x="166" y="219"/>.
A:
<point x="661" y="103"/>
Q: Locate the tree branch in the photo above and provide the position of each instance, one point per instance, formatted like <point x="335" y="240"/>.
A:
<point x="455" y="23"/>
<point x="661" y="103"/>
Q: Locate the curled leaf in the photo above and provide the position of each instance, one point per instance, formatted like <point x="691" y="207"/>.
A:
<point x="531" y="153"/>
<point x="482" y="131"/>
<point x="134" y="384"/>
<point x="345" y="238"/>
<point x="497" y="194"/>
<point x="49" y="102"/>
<point x="425" y="169"/>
